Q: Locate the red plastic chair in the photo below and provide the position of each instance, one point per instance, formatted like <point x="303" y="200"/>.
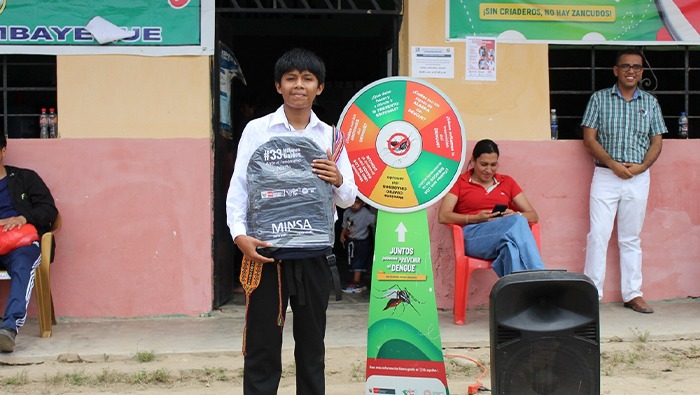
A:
<point x="465" y="265"/>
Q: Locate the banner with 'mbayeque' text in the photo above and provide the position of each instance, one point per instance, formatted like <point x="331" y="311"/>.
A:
<point x="146" y="27"/>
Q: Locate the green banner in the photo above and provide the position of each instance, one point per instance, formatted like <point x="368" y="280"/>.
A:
<point x="588" y="21"/>
<point x="404" y="350"/>
<point x="148" y="23"/>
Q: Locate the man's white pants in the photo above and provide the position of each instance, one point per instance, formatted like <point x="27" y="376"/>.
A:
<point x="610" y="196"/>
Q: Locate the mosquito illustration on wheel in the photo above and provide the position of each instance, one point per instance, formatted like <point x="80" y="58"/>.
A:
<point x="398" y="296"/>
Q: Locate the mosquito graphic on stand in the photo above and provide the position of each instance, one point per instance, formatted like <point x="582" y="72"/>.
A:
<point x="399" y="297"/>
<point x="399" y="144"/>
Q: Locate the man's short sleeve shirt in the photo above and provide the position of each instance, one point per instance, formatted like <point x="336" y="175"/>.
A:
<point x="624" y="127"/>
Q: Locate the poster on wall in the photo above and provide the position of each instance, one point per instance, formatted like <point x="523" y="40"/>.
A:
<point x="631" y="22"/>
<point x="153" y="28"/>
<point x="481" y="59"/>
<point x="432" y="62"/>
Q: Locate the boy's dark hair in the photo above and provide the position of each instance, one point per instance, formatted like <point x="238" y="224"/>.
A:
<point x="302" y="60"/>
<point x="3" y="140"/>
<point x="629" y="51"/>
<point x="485" y="146"/>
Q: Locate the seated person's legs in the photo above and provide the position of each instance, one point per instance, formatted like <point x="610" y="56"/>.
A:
<point x="507" y="241"/>
<point x="20" y="265"/>
<point x="518" y="249"/>
<point x="481" y="240"/>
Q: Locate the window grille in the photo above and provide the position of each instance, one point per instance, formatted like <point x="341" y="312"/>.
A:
<point x="378" y="7"/>
<point x="672" y="74"/>
<point x="28" y="85"/>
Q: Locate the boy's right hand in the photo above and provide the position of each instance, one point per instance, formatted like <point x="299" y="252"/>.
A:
<point x="249" y="247"/>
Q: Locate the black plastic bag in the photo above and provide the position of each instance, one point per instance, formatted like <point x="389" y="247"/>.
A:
<point x="288" y="205"/>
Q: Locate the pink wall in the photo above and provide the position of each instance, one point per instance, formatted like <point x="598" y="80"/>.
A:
<point x="555" y="176"/>
<point x="136" y="238"/>
<point x="137" y="224"/>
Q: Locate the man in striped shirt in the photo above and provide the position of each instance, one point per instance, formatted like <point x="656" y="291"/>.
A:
<point x="622" y="129"/>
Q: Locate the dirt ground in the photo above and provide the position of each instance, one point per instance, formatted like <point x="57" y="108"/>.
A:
<point x="640" y="366"/>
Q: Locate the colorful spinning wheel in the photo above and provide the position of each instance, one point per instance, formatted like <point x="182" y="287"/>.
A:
<point x="405" y="141"/>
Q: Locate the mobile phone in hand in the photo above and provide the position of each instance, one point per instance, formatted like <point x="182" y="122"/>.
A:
<point x="499" y="208"/>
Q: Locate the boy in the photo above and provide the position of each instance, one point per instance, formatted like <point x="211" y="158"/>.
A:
<point x="356" y="230"/>
<point x="304" y="281"/>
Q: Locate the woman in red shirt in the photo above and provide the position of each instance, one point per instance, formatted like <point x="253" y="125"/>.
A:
<point x="502" y="237"/>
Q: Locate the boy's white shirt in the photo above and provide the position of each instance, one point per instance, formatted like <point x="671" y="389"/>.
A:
<point x="260" y="131"/>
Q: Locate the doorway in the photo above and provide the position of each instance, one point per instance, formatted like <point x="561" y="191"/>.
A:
<point x="358" y="41"/>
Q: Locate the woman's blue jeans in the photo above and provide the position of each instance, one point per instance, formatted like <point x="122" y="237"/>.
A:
<point x="507" y="241"/>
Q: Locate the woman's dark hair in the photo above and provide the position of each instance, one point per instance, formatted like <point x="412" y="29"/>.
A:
<point x="485" y="146"/>
<point x="302" y="60"/>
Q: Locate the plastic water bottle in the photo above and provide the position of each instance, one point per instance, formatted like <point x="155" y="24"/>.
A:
<point x="683" y="126"/>
<point x="554" y="124"/>
<point x="43" y="124"/>
<point x="53" y="124"/>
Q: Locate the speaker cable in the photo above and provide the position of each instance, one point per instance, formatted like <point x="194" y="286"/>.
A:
<point x="478" y="386"/>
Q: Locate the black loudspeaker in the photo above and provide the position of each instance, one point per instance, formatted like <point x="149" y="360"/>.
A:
<point x="545" y="336"/>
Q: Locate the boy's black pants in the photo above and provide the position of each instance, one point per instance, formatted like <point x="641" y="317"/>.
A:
<point x="306" y="283"/>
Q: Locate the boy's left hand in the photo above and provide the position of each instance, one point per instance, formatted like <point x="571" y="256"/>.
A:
<point x="327" y="170"/>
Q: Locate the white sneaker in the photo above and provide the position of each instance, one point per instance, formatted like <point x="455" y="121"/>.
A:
<point x="354" y="288"/>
